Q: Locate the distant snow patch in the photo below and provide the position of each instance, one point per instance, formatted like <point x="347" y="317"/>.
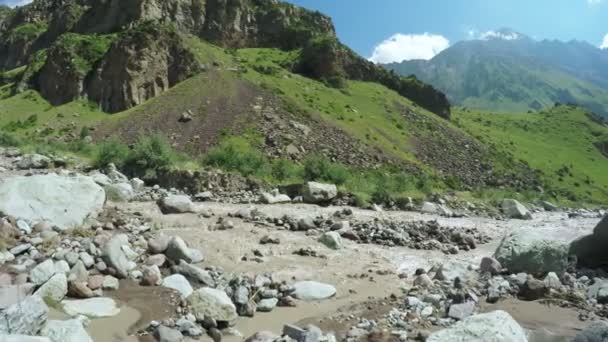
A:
<point x="604" y="44"/>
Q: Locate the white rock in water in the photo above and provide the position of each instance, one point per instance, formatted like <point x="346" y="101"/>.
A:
<point x="179" y="283"/>
<point x="66" y="331"/>
<point x="62" y="201"/>
<point x="312" y="290"/>
<point x="496" y="326"/>
<point x="92" y="307"/>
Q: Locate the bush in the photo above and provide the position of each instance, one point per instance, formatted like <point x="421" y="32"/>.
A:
<point x="111" y="151"/>
<point x="149" y="156"/>
<point x="381" y="196"/>
<point x="7" y="139"/>
<point x="283" y="170"/>
<point x="236" y="154"/>
<point x="319" y="168"/>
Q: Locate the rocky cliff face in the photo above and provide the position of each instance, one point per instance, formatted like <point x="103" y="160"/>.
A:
<point x="147" y="56"/>
<point x="118" y="74"/>
<point x="326" y="59"/>
<point x="141" y="65"/>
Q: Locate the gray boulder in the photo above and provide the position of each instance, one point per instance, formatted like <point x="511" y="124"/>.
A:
<point x="176" y="204"/>
<point x="313" y="192"/>
<point x="331" y="240"/>
<point x="54" y="290"/>
<point x="595" y="332"/>
<point x="66" y="331"/>
<point x="178" y="283"/>
<point x="177" y="250"/>
<point x="591" y="250"/>
<point x="513" y="209"/>
<point x="312" y="290"/>
<point x="119" y="192"/>
<point x="212" y="304"/>
<point x="33" y="161"/>
<point x="194" y="273"/>
<point x="530" y="251"/>
<point x="62" y="201"/>
<point x="164" y="334"/>
<point x="42" y="272"/>
<point x="12" y="294"/>
<point x="114" y="256"/>
<point x="274" y="198"/>
<point x="496" y="326"/>
<point x="26" y="317"/>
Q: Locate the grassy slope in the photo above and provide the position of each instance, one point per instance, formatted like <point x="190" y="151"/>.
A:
<point x="365" y="110"/>
<point x="549" y="141"/>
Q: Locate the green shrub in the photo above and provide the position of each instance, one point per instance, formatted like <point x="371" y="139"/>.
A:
<point x="236" y="154"/>
<point x="283" y="170"/>
<point x="319" y="168"/>
<point x="381" y="196"/>
<point x="150" y="155"/>
<point x="111" y="151"/>
<point x="7" y="139"/>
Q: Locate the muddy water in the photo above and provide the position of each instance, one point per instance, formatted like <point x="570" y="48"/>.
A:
<point x="544" y="323"/>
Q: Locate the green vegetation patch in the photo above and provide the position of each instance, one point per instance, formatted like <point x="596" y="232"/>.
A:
<point x="85" y="50"/>
<point x="560" y="142"/>
<point x="27" y="32"/>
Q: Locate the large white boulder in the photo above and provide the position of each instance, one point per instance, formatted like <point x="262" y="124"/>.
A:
<point x="496" y="326"/>
<point x="26" y="317"/>
<point x="178" y="283"/>
<point x="176" y="204"/>
<point x="66" y="331"/>
<point x="62" y="201"/>
<point x="532" y="251"/>
<point x="114" y="256"/>
<point x="313" y="192"/>
<point x="54" y="290"/>
<point x="513" y="209"/>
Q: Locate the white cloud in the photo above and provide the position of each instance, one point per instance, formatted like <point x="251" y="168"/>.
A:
<point x="400" y="47"/>
<point x="499" y="35"/>
<point x="604" y="44"/>
<point x="594" y="2"/>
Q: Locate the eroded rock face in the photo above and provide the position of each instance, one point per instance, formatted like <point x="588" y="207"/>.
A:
<point x="145" y="62"/>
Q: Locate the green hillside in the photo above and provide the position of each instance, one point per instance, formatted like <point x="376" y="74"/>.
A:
<point x="564" y="143"/>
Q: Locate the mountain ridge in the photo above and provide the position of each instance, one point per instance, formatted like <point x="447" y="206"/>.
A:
<point x="524" y="74"/>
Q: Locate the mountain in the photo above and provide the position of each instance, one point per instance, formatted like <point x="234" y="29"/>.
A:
<point x="259" y="87"/>
<point x="508" y="71"/>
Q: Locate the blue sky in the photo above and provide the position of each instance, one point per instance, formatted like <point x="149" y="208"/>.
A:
<point x="393" y="30"/>
<point x="365" y="24"/>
